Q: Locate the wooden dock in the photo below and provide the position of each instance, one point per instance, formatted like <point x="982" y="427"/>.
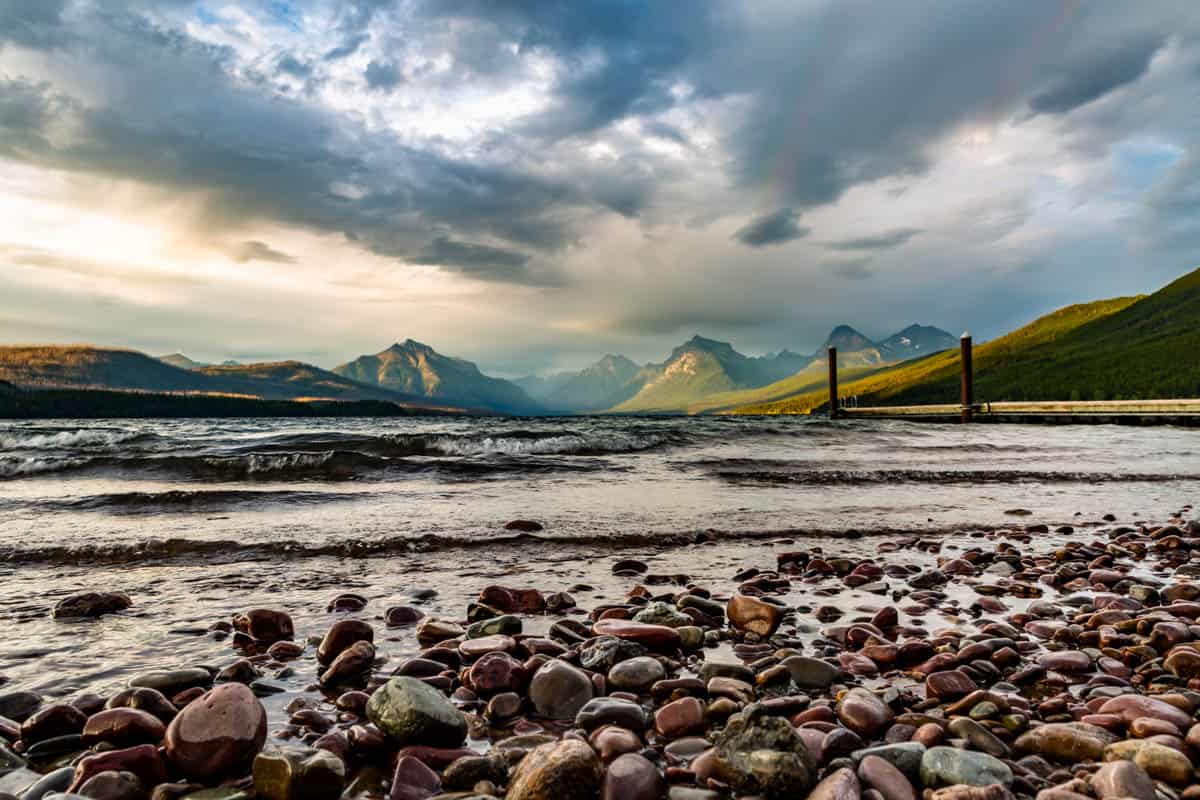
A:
<point x="1184" y="412"/>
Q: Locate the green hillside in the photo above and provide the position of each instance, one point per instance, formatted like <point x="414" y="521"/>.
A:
<point x="1051" y="358"/>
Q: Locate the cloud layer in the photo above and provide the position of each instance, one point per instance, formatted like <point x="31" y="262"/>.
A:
<point x="529" y="184"/>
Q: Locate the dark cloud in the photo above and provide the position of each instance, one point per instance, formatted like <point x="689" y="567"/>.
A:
<point x="258" y="251"/>
<point x="1097" y="75"/>
<point x="774" y="228"/>
<point x="625" y="55"/>
<point x="383" y="75"/>
<point x="485" y="262"/>
<point x="878" y="241"/>
<point x="348" y="47"/>
<point x="288" y="64"/>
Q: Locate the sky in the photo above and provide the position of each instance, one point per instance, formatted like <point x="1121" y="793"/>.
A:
<point x="534" y="184"/>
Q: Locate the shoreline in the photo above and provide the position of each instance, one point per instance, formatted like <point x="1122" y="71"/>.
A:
<point x="895" y="644"/>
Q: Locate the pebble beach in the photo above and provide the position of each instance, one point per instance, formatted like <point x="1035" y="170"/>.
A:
<point x="1056" y="662"/>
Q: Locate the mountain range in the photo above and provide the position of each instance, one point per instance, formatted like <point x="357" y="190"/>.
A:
<point x="1123" y="348"/>
<point x="414" y="376"/>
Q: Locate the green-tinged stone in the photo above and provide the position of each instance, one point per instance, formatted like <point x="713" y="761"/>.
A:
<point x="369" y="782"/>
<point x="507" y="625"/>
<point x="298" y="773"/>
<point x="409" y="711"/>
<point x="947" y="766"/>
<point x="663" y="614"/>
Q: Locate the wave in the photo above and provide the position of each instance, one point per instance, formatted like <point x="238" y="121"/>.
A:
<point x="507" y="443"/>
<point x="228" y="551"/>
<point x="837" y="477"/>
<point x="79" y="439"/>
<point x="188" y="500"/>
<point x="336" y="465"/>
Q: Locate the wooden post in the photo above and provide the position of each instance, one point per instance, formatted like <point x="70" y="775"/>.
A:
<point x="834" y="404"/>
<point x="968" y="377"/>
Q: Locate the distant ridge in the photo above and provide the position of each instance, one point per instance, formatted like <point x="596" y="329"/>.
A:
<point x="417" y="370"/>
<point x="98" y="368"/>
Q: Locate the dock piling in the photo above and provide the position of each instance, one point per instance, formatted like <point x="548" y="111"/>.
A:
<point x="834" y="400"/>
<point x="968" y="377"/>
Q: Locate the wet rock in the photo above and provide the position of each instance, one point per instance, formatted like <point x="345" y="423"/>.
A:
<point x="1122" y="779"/>
<point x="113" y="785"/>
<point x="467" y="771"/>
<point x="399" y="616"/>
<point x="413" y="780"/>
<point x="611" y="742"/>
<point x="172" y="682"/>
<point x="1066" y="661"/>
<point x="603" y="652"/>
<point x="811" y="673"/>
<point x="513" y="601"/>
<point x="754" y="614"/>
<point x="949" y="684"/>
<point x="655" y="637"/>
<point x="559" y="690"/>
<point x="218" y="734"/>
<point x="151" y="701"/>
<point x="636" y="674"/>
<point x="142" y="760"/>
<point x="884" y="778"/>
<point x="840" y="785"/>
<point x="504" y="625"/>
<point x="265" y="625"/>
<point x="632" y="777"/>
<point x="17" y="781"/>
<point x="946" y="766"/>
<point x="862" y="712"/>
<point x="524" y="526"/>
<point x="1131" y="706"/>
<point x="662" y="614"/>
<point x="682" y="717"/>
<point x="565" y="770"/>
<point x="611" y="711"/>
<point x="351" y="664"/>
<point x="91" y="605"/>
<point x="759" y="754"/>
<point x="59" y="719"/>
<point x="1160" y="762"/>
<point x="411" y="712"/>
<point x="1066" y="742"/>
<point x="296" y="773"/>
<point x="240" y="671"/>
<point x="123" y="727"/>
<point x="340" y="636"/>
<point x="19" y="706"/>
<point x="496" y="673"/>
<point x="904" y="756"/>
<point x="57" y="781"/>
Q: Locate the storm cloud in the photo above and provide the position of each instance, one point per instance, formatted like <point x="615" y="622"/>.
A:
<point x="518" y="177"/>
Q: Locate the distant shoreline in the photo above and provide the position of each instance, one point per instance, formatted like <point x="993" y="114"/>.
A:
<point x="16" y="403"/>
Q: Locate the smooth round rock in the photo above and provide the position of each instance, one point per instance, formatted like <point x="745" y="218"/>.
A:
<point x="559" y="690"/>
<point x="409" y="712"/>
<point x="565" y="770"/>
<point x="217" y="734"/>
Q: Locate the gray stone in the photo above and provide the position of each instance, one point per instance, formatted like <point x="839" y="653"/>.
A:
<point x="411" y="712"/>
<point x="905" y="756"/>
<point x="811" y="673"/>
<point x="558" y="690"/>
<point x="636" y="674"/>
<point x="947" y="766"/>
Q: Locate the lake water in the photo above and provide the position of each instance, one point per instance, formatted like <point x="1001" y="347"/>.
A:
<point x="198" y="520"/>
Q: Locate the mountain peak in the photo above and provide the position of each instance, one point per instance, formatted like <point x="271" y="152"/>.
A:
<point x="846" y="339"/>
<point x="411" y="346"/>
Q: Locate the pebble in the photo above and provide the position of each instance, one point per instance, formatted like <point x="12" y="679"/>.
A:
<point x="218" y="734"/>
